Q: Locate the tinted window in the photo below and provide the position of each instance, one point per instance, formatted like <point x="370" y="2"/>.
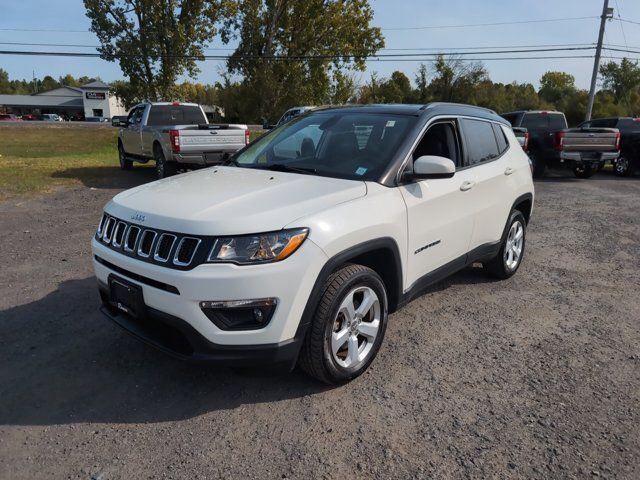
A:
<point x="603" y="123"/>
<point x="334" y="144"/>
<point x="175" y="115"/>
<point x="557" y="121"/>
<point x="500" y="138"/>
<point x="480" y="140"/>
<point x="512" y="118"/>
<point x="440" y="140"/>
<point x="535" y="121"/>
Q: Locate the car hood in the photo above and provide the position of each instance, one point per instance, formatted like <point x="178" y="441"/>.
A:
<point x="230" y="200"/>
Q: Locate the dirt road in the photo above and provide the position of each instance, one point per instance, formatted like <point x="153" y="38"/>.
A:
<point x="537" y="376"/>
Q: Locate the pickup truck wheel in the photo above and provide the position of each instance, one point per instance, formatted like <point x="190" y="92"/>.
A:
<point x="163" y="168"/>
<point x="507" y="262"/>
<point x="583" y="171"/>
<point x="348" y="326"/>
<point x="623" y="167"/>
<point x="124" y="163"/>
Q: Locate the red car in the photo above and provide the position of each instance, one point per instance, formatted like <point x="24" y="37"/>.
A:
<point x="9" y="117"/>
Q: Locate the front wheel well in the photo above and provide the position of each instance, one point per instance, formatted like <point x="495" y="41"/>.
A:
<point x="385" y="263"/>
<point x="524" y="206"/>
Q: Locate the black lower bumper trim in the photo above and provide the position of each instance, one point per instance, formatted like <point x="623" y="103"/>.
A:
<point x="178" y="338"/>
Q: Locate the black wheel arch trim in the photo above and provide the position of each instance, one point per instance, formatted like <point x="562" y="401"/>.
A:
<point x="383" y="243"/>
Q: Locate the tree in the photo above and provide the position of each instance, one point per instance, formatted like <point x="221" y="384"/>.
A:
<point x="154" y="41"/>
<point x="556" y="85"/>
<point x="291" y="52"/>
<point x="621" y="79"/>
<point x="455" y="80"/>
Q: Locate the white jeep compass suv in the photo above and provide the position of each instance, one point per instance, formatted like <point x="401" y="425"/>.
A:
<point x="297" y="249"/>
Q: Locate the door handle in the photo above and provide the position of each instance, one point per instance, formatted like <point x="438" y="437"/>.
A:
<point x="509" y="171"/>
<point x="467" y="185"/>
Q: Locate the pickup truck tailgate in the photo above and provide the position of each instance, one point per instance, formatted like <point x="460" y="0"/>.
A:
<point x="590" y="140"/>
<point x="225" y="138"/>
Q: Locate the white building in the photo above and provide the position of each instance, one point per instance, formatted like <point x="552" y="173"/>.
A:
<point x="91" y="100"/>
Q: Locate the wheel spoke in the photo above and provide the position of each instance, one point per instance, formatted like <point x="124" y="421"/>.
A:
<point x="369" y="329"/>
<point x="368" y="300"/>
<point x="347" y="308"/>
<point x="338" y="339"/>
<point x="353" y="355"/>
<point x="518" y="235"/>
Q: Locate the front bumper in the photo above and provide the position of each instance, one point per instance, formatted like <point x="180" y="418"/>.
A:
<point x="173" y="297"/>
<point x="179" y="339"/>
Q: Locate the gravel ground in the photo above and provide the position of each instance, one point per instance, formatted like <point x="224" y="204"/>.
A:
<point x="534" y="377"/>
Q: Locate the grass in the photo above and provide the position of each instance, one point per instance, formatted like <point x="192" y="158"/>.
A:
<point x="40" y="158"/>
<point x="36" y="159"/>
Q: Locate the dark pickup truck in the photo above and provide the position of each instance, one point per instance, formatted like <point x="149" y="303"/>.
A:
<point x="551" y="143"/>
<point x="629" y="161"/>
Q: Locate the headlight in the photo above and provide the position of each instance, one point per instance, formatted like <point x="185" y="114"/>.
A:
<point x="260" y="248"/>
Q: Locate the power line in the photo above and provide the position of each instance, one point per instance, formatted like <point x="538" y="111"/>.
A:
<point x="519" y="22"/>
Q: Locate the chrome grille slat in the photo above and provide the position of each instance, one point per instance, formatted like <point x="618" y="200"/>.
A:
<point x="143" y="251"/>
<point x="160" y="244"/>
<point x="118" y="234"/>
<point x="183" y="244"/>
<point x="129" y="244"/>
<point x="172" y="250"/>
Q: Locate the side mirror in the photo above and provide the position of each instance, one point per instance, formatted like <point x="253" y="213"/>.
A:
<point x="124" y="123"/>
<point x="432" y="166"/>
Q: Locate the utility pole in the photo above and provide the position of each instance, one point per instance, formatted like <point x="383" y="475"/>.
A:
<point x="606" y="14"/>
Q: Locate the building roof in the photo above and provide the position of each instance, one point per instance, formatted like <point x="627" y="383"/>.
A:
<point x="97" y="85"/>
<point x="62" y="91"/>
<point x="41" y="101"/>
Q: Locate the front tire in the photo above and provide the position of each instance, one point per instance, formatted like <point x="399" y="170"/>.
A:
<point x="508" y="260"/>
<point x="122" y="157"/>
<point x="164" y="169"/>
<point x="348" y="326"/>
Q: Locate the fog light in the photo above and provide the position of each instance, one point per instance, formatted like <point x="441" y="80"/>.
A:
<point x="240" y="314"/>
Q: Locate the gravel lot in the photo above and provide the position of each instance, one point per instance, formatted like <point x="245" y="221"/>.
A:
<point x="537" y="376"/>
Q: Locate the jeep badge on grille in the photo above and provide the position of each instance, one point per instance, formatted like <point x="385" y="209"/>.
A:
<point x="138" y="217"/>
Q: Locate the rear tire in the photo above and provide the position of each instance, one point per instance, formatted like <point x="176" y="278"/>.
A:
<point x="509" y="259"/>
<point x="164" y="169"/>
<point x="124" y="163"/>
<point x="624" y="166"/>
<point x="348" y="326"/>
<point x="583" y="171"/>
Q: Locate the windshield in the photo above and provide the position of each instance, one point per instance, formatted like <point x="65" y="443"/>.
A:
<point x="356" y="146"/>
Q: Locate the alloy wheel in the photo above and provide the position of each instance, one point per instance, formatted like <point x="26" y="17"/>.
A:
<point x="355" y="327"/>
<point x="513" y="248"/>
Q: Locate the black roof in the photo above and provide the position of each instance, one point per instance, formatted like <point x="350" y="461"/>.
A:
<point x="431" y="109"/>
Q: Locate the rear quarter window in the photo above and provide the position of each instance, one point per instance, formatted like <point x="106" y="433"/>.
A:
<point x="503" y="144"/>
<point x="480" y="140"/>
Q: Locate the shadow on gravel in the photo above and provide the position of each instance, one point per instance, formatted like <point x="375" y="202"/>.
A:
<point x="62" y="362"/>
<point x="109" y="177"/>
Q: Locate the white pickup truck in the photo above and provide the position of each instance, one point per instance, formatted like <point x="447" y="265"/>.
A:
<point x="176" y="135"/>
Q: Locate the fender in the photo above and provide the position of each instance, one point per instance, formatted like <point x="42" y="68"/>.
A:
<point x="341" y="258"/>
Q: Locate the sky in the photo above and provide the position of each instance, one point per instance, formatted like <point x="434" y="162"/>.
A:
<point x="402" y="21"/>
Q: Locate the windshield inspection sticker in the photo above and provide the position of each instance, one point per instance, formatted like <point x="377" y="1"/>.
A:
<point x="361" y="171"/>
<point x="391" y="123"/>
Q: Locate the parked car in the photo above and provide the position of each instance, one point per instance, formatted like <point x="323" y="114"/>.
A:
<point x="288" y="115"/>
<point x="629" y="161"/>
<point x="50" y="117"/>
<point x="31" y="117"/>
<point x="551" y="143"/>
<point x="9" y="117"/>
<point x="97" y="119"/>
<point x="176" y="135"/>
<point x="276" y="259"/>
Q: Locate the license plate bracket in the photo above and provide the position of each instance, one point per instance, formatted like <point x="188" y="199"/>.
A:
<point x="126" y="296"/>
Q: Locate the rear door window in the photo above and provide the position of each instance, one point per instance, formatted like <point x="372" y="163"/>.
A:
<point x="480" y="140"/>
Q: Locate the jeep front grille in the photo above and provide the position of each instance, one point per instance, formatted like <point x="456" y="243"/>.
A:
<point x="169" y="249"/>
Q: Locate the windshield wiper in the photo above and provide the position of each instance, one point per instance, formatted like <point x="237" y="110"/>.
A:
<point x="281" y="167"/>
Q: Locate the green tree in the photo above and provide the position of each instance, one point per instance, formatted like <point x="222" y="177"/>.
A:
<point x="154" y="41"/>
<point x="556" y="85"/>
<point x="455" y="80"/>
<point x="5" y="85"/>
<point x="291" y="52"/>
<point x="620" y="78"/>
